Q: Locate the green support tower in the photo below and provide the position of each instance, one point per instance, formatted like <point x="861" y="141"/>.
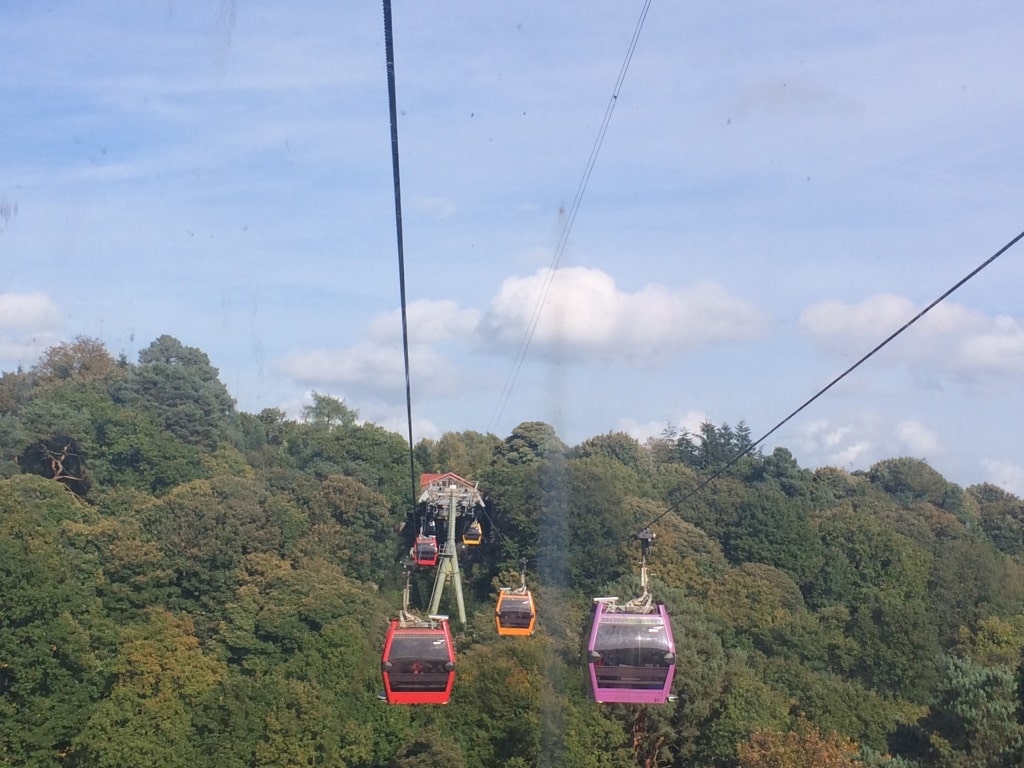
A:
<point x="449" y="497"/>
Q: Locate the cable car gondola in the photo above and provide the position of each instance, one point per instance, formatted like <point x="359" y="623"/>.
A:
<point x="425" y="550"/>
<point x="631" y="655"/>
<point x="515" y="614"/>
<point x="473" y="533"/>
<point x="418" y="664"/>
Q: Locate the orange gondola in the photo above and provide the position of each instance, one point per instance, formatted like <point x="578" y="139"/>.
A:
<point x="515" y="613"/>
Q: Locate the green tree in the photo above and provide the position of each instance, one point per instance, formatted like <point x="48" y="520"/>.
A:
<point x="969" y="579"/>
<point x="467" y="454"/>
<point x="181" y="388"/>
<point x="838" y="703"/>
<point x="352" y="525"/>
<point x="429" y="748"/>
<point x="882" y="579"/>
<point x="682" y="554"/>
<point x="993" y="641"/>
<point x="131" y="574"/>
<point x="701" y="674"/>
<point x="897" y="647"/>
<point x="204" y="529"/>
<point x="515" y="509"/>
<point x="670" y="447"/>
<point x="54" y="636"/>
<point x="715" y="508"/>
<point x="149" y="717"/>
<point x="747" y="704"/>
<point x="974" y="721"/>
<point x="1002" y="517"/>
<point x="327" y="411"/>
<point x="132" y="450"/>
<point x="116" y="444"/>
<point x="377" y="458"/>
<point x="780" y="470"/>
<point x="909" y="480"/>
<point x="773" y="529"/>
<point x="576" y="735"/>
<point x="303" y="670"/>
<point x="501" y="689"/>
<point x="619" y="447"/>
<point x="757" y="600"/>
<point x="713" y="447"/>
<point x="531" y="441"/>
<point x="15" y="390"/>
<point x="600" y="530"/>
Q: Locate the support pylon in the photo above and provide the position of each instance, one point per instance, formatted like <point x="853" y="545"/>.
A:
<point x="448" y="567"/>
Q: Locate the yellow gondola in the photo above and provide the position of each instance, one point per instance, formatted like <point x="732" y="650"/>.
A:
<point x="473" y="533"/>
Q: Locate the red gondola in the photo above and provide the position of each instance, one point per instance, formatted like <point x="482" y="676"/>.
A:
<point x="425" y="551"/>
<point x="418" y="664"/>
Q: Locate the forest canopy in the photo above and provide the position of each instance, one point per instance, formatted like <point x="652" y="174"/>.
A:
<point x="186" y="584"/>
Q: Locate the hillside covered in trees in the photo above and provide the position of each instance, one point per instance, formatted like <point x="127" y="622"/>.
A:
<point x="186" y="584"/>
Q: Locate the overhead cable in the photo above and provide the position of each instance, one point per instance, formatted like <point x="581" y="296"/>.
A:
<point x="563" y="239"/>
<point x="718" y="473"/>
<point x="389" y="50"/>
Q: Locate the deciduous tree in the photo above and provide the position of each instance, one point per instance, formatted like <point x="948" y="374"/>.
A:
<point x="804" y="747"/>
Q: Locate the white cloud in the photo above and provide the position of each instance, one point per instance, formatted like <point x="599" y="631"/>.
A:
<point x="24" y="351"/>
<point x="373" y="368"/>
<point x="28" y="326"/>
<point x="584" y="315"/>
<point x="430" y="322"/>
<point x="27" y="311"/>
<point x="854" y="456"/>
<point x="840" y="326"/>
<point x="859" y="439"/>
<point x="917" y="439"/>
<point x="378" y="365"/>
<point x="997" y="346"/>
<point x="358" y="363"/>
<point x="688" y="421"/>
<point x="395" y="419"/>
<point x="950" y="339"/>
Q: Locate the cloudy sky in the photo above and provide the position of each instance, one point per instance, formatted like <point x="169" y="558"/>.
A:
<point x="780" y="187"/>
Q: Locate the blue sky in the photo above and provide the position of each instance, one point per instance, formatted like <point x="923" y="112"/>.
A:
<point x="781" y="186"/>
